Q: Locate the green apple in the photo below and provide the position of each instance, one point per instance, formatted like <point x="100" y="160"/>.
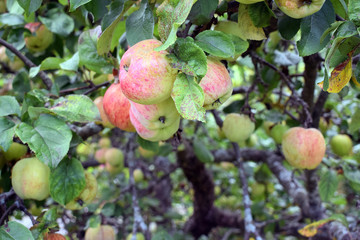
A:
<point x="30" y="179"/>
<point x="299" y="8"/>
<point x="102" y="232"/>
<point x="249" y="1"/>
<point x="139" y="236"/>
<point x="86" y="196"/>
<point x="114" y="160"/>
<point x="15" y="151"/>
<point x="257" y="190"/>
<point x="341" y="145"/>
<point x="40" y="39"/>
<point x="303" y="148"/>
<point x="116" y="107"/>
<point x="323" y="125"/>
<point x="238" y="127"/>
<point x="84" y="149"/>
<point x="227" y="165"/>
<point x="267" y="125"/>
<point x="105" y="142"/>
<point x="156" y="122"/>
<point x="138" y="175"/>
<point x="146" y="75"/>
<point x="277" y="132"/>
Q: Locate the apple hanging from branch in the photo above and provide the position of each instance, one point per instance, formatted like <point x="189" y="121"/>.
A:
<point x="299" y="8"/>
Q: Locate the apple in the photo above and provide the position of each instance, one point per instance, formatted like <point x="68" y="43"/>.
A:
<point x="341" y="145"/>
<point x="16" y="65"/>
<point x="155" y="122"/>
<point x="299" y="8"/>
<point x="303" y="148"/>
<point x="277" y="132"/>
<point x="217" y="84"/>
<point x="86" y="196"/>
<point x="146" y="75"/>
<point x="84" y="149"/>
<point x="146" y="153"/>
<point x="104" y="118"/>
<point x="15" y="151"/>
<point x="100" y="155"/>
<point x="54" y="236"/>
<point x="138" y="175"/>
<point x="30" y="179"/>
<point x="323" y="125"/>
<point x="105" y="142"/>
<point x="40" y="39"/>
<point x="257" y="190"/>
<point x="116" y="107"/>
<point x="114" y="159"/>
<point x="102" y="232"/>
<point x="249" y="1"/>
<point x="238" y="127"/>
<point x="267" y="125"/>
<point x="139" y="236"/>
<point x="227" y="165"/>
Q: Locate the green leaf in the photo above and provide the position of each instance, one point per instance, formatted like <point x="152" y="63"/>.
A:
<point x="170" y="40"/>
<point x="340" y="8"/>
<point x="288" y="27"/>
<point x="202" y="11"/>
<point x="74" y="4"/>
<point x="10" y="19"/>
<point x="328" y="185"/>
<point x="49" y="137"/>
<point x="189" y="98"/>
<point x="140" y="24"/>
<point x="58" y="22"/>
<point x="148" y="145"/>
<point x="51" y="216"/>
<point x="71" y="64"/>
<point x="88" y="54"/>
<point x="190" y="59"/>
<point x="7" y="131"/>
<point x="312" y="28"/>
<point x="202" y="152"/>
<point x="260" y="14"/>
<point x="111" y="22"/>
<point x="172" y="13"/>
<point x="353" y="177"/>
<point x="216" y="43"/>
<point x="240" y="44"/>
<point x="76" y="108"/>
<point x="67" y="181"/>
<point x="30" y="6"/>
<point x="9" y="106"/>
<point x="354" y="11"/>
<point x="355" y="122"/>
<point x="340" y="218"/>
<point x="15" y="231"/>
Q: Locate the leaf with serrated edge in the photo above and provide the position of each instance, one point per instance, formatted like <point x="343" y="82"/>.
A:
<point x="216" y="43"/>
<point x="189" y="98"/>
<point x="328" y="185"/>
<point x="7" y="131"/>
<point x="49" y="138"/>
<point x="67" y="181"/>
<point x="9" y="106"/>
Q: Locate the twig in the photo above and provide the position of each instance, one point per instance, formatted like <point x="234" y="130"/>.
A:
<point x="46" y="80"/>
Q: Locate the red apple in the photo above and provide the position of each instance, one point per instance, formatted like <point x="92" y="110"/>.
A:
<point x="303" y="148"/>
<point x="146" y="76"/>
<point x="116" y="107"/>
<point x="104" y="119"/>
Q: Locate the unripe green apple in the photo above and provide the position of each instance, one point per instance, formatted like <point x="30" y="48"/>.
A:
<point x="86" y="196"/>
<point x="217" y="84"/>
<point x="41" y="38"/>
<point x="227" y="165"/>
<point x="116" y="107"/>
<point x="238" y="127"/>
<point x="104" y="118"/>
<point x="267" y="125"/>
<point x="146" y="75"/>
<point x="341" y="145"/>
<point x="257" y="190"/>
<point x="114" y="158"/>
<point x="16" y="64"/>
<point x="105" y="142"/>
<point x="139" y="236"/>
<point x="249" y="1"/>
<point x="84" y="149"/>
<point x="138" y="175"/>
<point x="277" y="132"/>
<point x="102" y="232"/>
<point x="323" y="125"/>
<point x="30" y="179"/>
<point x="15" y="151"/>
<point x="303" y="148"/>
<point x="156" y="122"/>
<point x="299" y="8"/>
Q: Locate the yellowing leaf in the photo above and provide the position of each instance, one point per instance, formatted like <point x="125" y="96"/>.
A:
<point x="247" y="27"/>
<point x="311" y="229"/>
<point x="353" y="78"/>
<point x="340" y="76"/>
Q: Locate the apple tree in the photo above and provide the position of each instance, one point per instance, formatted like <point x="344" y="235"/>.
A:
<point x="179" y="119"/>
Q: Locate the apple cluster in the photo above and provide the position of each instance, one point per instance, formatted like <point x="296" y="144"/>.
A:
<point x="142" y="102"/>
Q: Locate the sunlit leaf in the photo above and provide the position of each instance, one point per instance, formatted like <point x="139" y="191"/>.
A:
<point x="311" y="229"/>
<point x="248" y="29"/>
